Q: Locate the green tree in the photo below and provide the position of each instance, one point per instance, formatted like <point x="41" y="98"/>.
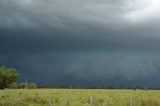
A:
<point x="7" y="76"/>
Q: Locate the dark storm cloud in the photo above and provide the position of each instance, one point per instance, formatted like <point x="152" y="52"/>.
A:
<point x="73" y="23"/>
<point x="75" y="41"/>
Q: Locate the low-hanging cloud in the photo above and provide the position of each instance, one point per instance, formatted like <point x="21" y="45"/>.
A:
<point x="76" y="41"/>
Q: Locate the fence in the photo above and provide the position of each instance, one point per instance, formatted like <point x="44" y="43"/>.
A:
<point x="36" y="98"/>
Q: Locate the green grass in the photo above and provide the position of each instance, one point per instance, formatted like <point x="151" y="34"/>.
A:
<point x="78" y="97"/>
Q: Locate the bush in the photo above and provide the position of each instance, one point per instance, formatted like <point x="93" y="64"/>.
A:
<point x="13" y="85"/>
<point x="22" y="85"/>
<point x="32" y="85"/>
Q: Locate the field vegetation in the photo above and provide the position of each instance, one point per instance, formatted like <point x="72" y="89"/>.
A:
<point x="79" y="97"/>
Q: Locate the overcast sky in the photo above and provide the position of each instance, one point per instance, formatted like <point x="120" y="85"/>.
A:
<point x="82" y="42"/>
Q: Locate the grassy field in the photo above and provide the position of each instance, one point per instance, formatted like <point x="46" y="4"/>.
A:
<point x="78" y="97"/>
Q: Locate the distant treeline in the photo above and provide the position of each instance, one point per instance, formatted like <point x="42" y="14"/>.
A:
<point x="24" y="85"/>
<point x="94" y="87"/>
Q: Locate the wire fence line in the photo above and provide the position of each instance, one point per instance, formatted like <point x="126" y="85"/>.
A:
<point x="36" y="98"/>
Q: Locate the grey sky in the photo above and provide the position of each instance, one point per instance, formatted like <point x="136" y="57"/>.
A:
<point x="72" y="41"/>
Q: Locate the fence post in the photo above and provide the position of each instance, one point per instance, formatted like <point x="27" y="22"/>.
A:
<point x="17" y="97"/>
<point x="131" y="101"/>
<point x="50" y="99"/>
<point x="65" y="100"/>
<point x="91" y="101"/>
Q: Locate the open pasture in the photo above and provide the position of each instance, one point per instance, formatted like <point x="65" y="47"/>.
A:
<point x="79" y="97"/>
